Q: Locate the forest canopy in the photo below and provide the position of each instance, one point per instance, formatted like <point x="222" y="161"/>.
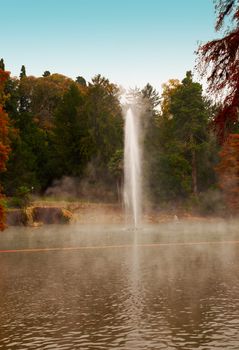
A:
<point x="56" y="131"/>
<point x="63" y="128"/>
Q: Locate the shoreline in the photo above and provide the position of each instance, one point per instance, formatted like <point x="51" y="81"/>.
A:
<point x="65" y="212"/>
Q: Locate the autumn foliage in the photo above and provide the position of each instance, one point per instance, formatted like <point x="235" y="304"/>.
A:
<point x="4" y="141"/>
<point x="219" y="62"/>
<point x="228" y="172"/>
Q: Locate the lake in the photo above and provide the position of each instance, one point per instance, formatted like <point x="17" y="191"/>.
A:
<point x="168" y="286"/>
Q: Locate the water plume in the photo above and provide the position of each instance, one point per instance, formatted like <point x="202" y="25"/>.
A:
<point x="132" y="168"/>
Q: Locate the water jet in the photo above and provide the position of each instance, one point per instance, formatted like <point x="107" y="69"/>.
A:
<point x="132" y="169"/>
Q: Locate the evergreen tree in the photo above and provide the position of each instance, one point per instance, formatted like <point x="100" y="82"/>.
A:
<point x="46" y="73"/>
<point x="105" y="119"/>
<point x="28" y="161"/>
<point x="29" y="157"/>
<point x="80" y="80"/>
<point x="4" y="138"/>
<point x="190" y="119"/>
<point x="72" y="140"/>
<point x="2" y="65"/>
<point x="23" y="72"/>
<point x="184" y="164"/>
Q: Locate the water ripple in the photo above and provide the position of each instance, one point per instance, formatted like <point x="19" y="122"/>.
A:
<point x="177" y="298"/>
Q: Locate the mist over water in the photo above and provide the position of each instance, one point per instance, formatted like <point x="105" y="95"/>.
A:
<point x="162" y="293"/>
<point x="132" y="169"/>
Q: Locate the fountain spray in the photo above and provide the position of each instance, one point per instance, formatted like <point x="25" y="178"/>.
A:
<point x="132" y="168"/>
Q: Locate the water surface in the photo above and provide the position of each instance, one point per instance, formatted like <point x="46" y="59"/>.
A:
<point x="124" y="291"/>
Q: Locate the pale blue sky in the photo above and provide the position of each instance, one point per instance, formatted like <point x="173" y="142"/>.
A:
<point x="131" y="42"/>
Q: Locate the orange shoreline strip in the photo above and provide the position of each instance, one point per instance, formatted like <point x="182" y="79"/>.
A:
<point x="163" y="244"/>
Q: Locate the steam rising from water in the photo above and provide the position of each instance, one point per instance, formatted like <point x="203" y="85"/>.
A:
<point x="130" y="297"/>
<point x="132" y="168"/>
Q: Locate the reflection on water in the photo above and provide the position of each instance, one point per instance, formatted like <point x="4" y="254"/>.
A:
<point x="132" y="297"/>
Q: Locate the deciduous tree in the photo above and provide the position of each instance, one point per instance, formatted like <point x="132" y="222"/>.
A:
<point x="228" y="172"/>
<point x="219" y="62"/>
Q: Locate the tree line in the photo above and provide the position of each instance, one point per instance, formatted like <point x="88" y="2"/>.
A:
<point x="58" y="127"/>
<point x="53" y="127"/>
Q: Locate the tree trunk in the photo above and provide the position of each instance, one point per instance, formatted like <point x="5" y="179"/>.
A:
<point x="194" y="173"/>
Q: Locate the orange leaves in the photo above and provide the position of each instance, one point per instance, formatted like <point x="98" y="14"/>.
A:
<point x="2" y="218"/>
<point x="168" y="89"/>
<point x="228" y="172"/>
<point x="3" y="126"/>
<point x="3" y="77"/>
<point x="4" y="151"/>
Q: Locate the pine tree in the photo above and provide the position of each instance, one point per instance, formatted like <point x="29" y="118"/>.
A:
<point x="2" y="65"/>
<point x="80" y="80"/>
<point x="182" y="164"/>
<point x="47" y="73"/>
<point x="23" y="72"/>
<point x="72" y="140"/>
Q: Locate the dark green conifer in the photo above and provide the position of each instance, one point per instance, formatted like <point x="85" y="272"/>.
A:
<point x="2" y="65"/>
<point x="23" y="72"/>
<point x="46" y="73"/>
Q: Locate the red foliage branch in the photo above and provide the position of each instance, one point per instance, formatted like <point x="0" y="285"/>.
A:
<point x="3" y="77"/>
<point x="219" y="62"/>
<point x="4" y="142"/>
<point x="225" y="8"/>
